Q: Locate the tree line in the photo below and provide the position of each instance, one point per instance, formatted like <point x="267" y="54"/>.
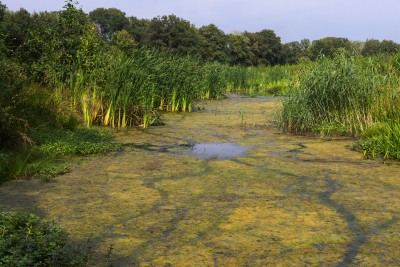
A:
<point x="26" y="37"/>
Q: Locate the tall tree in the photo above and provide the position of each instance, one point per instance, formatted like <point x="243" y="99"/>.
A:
<point x="213" y="44"/>
<point x="173" y="33"/>
<point x="291" y="52"/>
<point x="329" y="46"/>
<point x="136" y="28"/>
<point x="15" y="28"/>
<point x="109" y="20"/>
<point x="266" y="47"/>
<point x="375" y="47"/>
<point x="239" y="50"/>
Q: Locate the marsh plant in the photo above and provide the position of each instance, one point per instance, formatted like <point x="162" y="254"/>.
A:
<point x="346" y="94"/>
<point x="260" y="81"/>
<point x="140" y="86"/>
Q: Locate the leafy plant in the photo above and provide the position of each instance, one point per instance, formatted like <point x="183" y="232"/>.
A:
<point x="79" y="142"/>
<point x="27" y="240"/>
<point x="381" y="140"/>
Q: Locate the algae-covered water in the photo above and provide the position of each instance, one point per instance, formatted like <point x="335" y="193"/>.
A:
<point x="223" y="187"/>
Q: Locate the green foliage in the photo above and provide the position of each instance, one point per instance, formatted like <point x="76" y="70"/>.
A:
<point x="152" y="80"/>
<point x="12" y="125"/>
<point x="49" y="145"/>
<point x="291" y="52"/>
<point x="329" y="47"/>
<point x="79" y="142"/>
<point x="124" y="41"/>
<point x="261" y="81"/>
<point x="213" y="44"/>
<point x="396" y="62"/>
<point x="374" y="47"/>
<point x="110" y="21"/>
<point x="352" y="91"/>
<point x="2" y="11"/>
<point x="172" y="33"/>
<point x="383" y="139"/>
<point x="327" y="129"/>
<point x="266" y="47"/>
<point x="28" y="164"/>
<point x="26" y="240"/>
<point x="73" y="24"/>
<point x="136" y="28"/>
<point x="15" y="28"/>
<point x="239" y="50"/>
<point x="296" y="52"/>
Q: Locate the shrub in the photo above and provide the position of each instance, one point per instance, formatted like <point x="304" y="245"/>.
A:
<point x="26" y="240"/>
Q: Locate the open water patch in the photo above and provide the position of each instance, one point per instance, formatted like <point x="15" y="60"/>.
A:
<point x="218" y="150"/>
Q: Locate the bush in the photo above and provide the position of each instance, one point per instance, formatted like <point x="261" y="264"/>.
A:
<point x="26" y="240"/>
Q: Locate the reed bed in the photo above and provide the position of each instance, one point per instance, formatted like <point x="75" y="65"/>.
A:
<point x="260" y="81"/>
<point x="123" y="91"/>
<point x="349" y="95"/>
<point x="137" y="88"/>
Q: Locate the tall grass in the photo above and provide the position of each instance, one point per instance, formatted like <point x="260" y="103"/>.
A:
<point x="349" y="91"/>
<point x="122" y="91"/>
<point x="138" y="87"/>
<point x="260" y="80"/>
<point x="348" y="94"/>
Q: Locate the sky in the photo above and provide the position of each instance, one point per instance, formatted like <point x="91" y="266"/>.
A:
<point x="292" y="20"/>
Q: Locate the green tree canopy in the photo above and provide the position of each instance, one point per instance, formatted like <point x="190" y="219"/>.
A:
<point x="329" y="46"/>
<point x="124" y="41"/>
<point x="136" y="27"/>
<point x="291" y="52"/>
<point x="239" y="50"/>
<point x="213" y="45"/>
<point x="173" y="33"/>
<point x="15" y="28"/>
<point x="3" y="9"/>
<point x="109" y="20"/>
<point x="375" y="47"/>
<point x="266" y="47"/>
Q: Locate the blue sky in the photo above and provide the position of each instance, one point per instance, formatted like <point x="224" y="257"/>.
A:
<point x="292" y="20"/>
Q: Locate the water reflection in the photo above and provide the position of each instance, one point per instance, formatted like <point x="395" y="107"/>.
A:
<point x="218" y="150"/>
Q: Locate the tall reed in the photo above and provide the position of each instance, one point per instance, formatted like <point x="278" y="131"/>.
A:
<point x="348" y="90"/>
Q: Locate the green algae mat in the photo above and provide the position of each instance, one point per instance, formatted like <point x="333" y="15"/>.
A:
<point x="223" y="187"/>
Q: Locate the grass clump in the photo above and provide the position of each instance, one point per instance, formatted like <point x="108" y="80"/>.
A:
<point x="347" y="95"/>
<point x="27" y="240"/>
<point x="348" y="90"/>
<point x="381" y="140"/>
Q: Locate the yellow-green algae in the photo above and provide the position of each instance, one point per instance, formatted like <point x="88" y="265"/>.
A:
<point x="292" y="201"/>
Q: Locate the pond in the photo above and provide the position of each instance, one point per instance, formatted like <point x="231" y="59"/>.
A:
<point x="222" y="186"/>
<point x="218" y="150"/>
